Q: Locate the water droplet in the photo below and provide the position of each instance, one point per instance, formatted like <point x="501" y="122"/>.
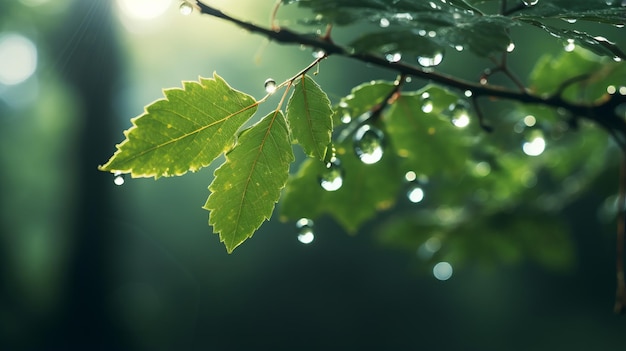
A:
<point x="427" y="103"/>
<point x="459" y="48"/>
<point x="415" y="194"/>
<point x="569" y="20"/>
<point x="185" y="8"/>
<point x="429" y="248"/>
<point x="368" y="144"/>
<point x="430" y="60"/>
<point x="410" y="176"/>
<point x="481" y="169"/>
<point x="611" y="89"/>
<point x="442" y="271"/>
<point x="569" y="45"/>
<point x="332" y="177"/>
<point x="319" y="53"/>
<point x="305" y="230"/>
<point x="617" y="59"/>
<point x="530" y="2"/>
<point x="384" y="23"/>
<point x="483" y="81"/>
<point x="622" y="90"/>
<point x="118" y="178"/>
<point x="530" y="121"/>
<point x="346" y="117"/>
<point x="510" y="47"/>
<point x="393" y="57"/>
<point x="459" y="115"/>
<point x="619" y="25"/>
<point x="468" y="93"/>
<point x="535" y="144"/>
<point x="270" y="86"/>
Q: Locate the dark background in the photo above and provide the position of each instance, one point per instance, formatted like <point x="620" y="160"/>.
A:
<point x="86" y="264"/>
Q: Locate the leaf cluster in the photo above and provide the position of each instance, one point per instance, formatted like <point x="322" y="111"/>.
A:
<point x="481" y="195"/>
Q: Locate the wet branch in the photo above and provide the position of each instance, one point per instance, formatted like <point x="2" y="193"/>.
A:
<point x="601" y="112"/>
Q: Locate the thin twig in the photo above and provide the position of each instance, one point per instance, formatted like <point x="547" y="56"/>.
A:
<point x="602" y="112"/>
<point x="481" y="118"/>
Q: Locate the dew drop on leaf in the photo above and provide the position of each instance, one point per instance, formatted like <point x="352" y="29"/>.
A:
<point x="410" y="176"/>
<point x="368" y="144"/>
<point x="415" y="194"/>
<point x="393" y="57"/>
<point x="430" y="60"/>
<point x="384" y="23"/>
<point x="481" y="169"/>
<point x="319" y="53"/>
<point x="185" y="8"/>
<point x="305" y="230"/>
<point x="459" y="114"/>
<point x="442" y="271"/>
<point x="530" y="2"/>
<point x="118" y="178"/>
<point x="535" y="144"/>
<point x="510" y="47"/>
<point x="346" y="118"/>
<point x="569" y="45"/>
<point x="429" y="248"/>
<point x="270" y="86"/>
<point x="331" y="178"/>
<point x="427" y="103"/>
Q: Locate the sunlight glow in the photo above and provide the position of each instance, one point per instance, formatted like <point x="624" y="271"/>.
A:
<point x="144" y="9"/>
<point x="18" y="59"/>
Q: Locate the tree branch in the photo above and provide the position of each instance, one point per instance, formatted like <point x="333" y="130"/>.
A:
<point x="601" y="112"/>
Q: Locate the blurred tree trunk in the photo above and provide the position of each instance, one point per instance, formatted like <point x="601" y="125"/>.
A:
<point x="90" y="65"/>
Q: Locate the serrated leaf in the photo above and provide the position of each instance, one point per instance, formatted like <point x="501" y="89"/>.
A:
<point x="414" y="27"/>
<point x="310" y="117"/>
<point x="371" y="186"/>
<point x="247" y="186"/>
<point x="183" y="132"/>
<point x="596" y="44"/>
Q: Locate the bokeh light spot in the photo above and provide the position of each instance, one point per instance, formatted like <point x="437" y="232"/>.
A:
<point x="18" y="58"/>
<point x="144" y="9"/>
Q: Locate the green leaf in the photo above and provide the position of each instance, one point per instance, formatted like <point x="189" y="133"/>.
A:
<point x="373" y="187"/>
<point x="596" y="44"/>
<point x="463" y="237"/>
<point x="310" y="117"/>
<point x="586" y="10"/>
<point x="366" y="190"/>
<point x="413" y="27"/>
<point x="588" y="75"/>
<point x="183" y="132"/>
<point x="458" y="24"/>
<point x="247" y="186"/>
<point x="423" y="135"/>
